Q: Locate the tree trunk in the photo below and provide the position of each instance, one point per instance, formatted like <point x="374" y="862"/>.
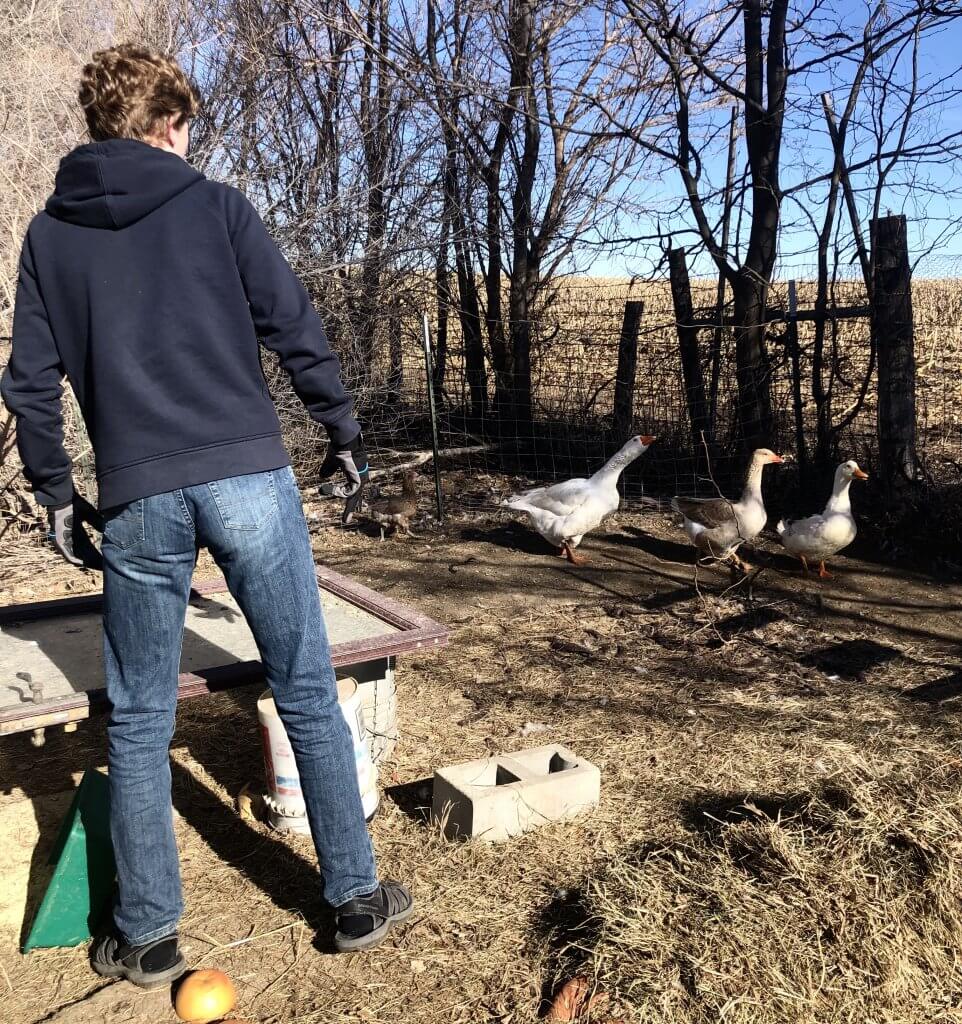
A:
<point x="442" y="294"/>
<point x="494" y="320"/>
<point x="469" y="307"/>
<point x="469" y="313"/>
<point x="765" y="83"/>
<point x="521" y="303"/>
<point x="374" y="102"/>
<point x="798" y="404"/>
<point x="701" y="432"/>
<point x="755" y="422"/>
<point x="894" y="331"/>
<point x="624" y="409"/>
<point x="525" y="266"/>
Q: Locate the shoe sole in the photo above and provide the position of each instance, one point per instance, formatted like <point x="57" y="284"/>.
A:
<point x="347" y="944"/>
<point x="143" y="979"/>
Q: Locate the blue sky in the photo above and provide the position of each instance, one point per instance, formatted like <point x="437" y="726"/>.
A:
<point x="930" y="206"/>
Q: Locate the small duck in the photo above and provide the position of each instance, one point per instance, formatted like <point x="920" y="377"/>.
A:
<point x="565" y="512"/>
<point x="719" y="526"/>
<point x="396" y="512"/>
<point x="822" y="536"/>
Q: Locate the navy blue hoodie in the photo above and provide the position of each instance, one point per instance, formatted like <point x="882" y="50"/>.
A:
<point x="149" y="286"/>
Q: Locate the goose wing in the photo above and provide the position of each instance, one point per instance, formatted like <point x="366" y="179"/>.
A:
<point x="812" y="525"/>
<point x="561" y="499"/>
<point x="708" y="512"/>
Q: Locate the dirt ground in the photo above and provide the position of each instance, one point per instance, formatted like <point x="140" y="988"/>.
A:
<point x="779" y="834"/>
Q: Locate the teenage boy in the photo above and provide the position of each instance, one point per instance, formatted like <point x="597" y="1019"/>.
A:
<point x="148" y="287"/>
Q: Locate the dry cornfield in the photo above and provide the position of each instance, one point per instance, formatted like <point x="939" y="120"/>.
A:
<point x="576" y="349"/>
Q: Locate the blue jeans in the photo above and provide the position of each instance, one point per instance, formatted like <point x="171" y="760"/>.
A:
<point x="255" y="529"/>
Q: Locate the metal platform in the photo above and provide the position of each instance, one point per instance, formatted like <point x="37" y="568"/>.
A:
<point x="51" y="659"/>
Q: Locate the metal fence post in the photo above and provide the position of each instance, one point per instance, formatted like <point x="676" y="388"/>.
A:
<point x="429" y="372"/>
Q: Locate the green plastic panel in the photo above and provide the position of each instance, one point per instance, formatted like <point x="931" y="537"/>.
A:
<point x="78" y="895"/>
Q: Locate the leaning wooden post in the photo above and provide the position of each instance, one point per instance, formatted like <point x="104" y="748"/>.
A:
<point x="688" y="348"/>
<point x="714" y="357"/>
<point x="395" y="373"/>
<point x="894" y="333"/>
<point x="795" y="354"/>
<point x="432" y="409"/>
<point x="624" y="411"/>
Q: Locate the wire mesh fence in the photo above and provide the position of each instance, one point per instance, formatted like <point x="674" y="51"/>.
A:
<point x="575" y="423"/>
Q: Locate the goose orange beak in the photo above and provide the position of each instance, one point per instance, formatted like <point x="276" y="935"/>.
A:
<point x="860" y="474"/>
<point x="776" y="459"/>
<point x="647" y="439"/>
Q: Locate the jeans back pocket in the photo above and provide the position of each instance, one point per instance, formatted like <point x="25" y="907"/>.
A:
<point x="245" y="502"/>
<point x="124" y="524"/>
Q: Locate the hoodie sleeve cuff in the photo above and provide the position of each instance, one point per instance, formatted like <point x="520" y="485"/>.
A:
<point x="343" y="431"/>
<point x="55" y="495"/>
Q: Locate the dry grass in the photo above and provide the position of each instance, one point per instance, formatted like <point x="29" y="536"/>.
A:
<point x="779" y="832"/>
<point x="838" y="903"/>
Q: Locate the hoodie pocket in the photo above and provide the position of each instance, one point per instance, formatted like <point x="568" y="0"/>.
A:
<point x="245" y="502"/>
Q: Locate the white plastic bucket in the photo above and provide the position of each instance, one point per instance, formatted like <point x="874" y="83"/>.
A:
<point x="378" y="695"/>
<point x="285" y="800"/>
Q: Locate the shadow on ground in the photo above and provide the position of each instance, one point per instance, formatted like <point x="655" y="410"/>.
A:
<point x="413" y="799"/>
<point x="513" y="536"/>
<point x="289" y="880"/>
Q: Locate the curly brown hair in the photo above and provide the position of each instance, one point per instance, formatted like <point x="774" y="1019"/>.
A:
<point x="128" y="92"/>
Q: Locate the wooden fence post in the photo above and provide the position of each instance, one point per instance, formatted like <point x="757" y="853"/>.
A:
<point x="894" y="334"/>
<point x="624" y="410"/>
<point x="688" y="348"/>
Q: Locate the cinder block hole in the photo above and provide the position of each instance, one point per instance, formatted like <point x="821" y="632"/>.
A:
<point x="502" y="777"/>
<point x="560" y="764"/>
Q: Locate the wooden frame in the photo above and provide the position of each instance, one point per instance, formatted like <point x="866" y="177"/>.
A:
<point x="414" y="632"/>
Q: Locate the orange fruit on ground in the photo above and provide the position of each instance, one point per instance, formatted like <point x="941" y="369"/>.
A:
<point x="205" y="996"/>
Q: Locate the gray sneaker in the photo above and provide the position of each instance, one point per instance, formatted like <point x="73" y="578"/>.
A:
<point x="150" y="965"/>
<point x="364" y="922"/>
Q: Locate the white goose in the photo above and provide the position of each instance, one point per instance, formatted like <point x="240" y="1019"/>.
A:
<point x="565" y="512"/>
<point x="719" y="526"/>
<point x="819" y="537"/>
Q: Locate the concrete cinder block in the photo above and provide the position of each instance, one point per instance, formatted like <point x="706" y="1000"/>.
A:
<point x="495" y="798"/>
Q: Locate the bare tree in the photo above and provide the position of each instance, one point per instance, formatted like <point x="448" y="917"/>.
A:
<point x="885" y="137"/>
<point x="448" y="84"/>
<point x="771" y="61"/>
<point x="529" y="168"/>
<point x="308" y="111"/>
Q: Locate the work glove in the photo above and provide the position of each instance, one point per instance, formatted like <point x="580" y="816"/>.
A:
<point x="351" y="460"/>
<point x="66" y="533"/>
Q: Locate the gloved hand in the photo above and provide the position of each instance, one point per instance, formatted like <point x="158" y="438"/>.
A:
<point x="351" y="460"/>
<point x="66" y="532"/>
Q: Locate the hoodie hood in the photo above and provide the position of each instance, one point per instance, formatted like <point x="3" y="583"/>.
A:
<point x="115" y="183"/>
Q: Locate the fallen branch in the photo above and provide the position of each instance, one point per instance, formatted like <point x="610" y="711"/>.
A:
<point x="420" y="458"/>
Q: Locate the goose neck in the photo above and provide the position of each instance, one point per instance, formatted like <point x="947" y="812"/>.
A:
<point x="840" y="500"/>
<point x="615" y="466"/>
